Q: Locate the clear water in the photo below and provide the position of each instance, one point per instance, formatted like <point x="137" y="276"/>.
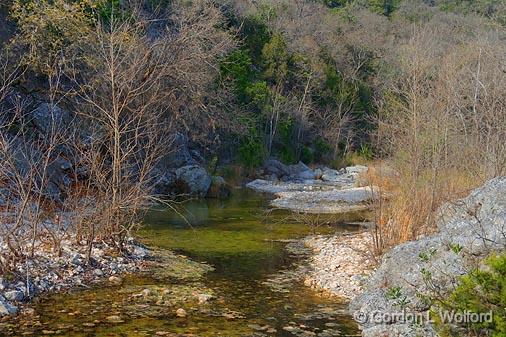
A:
<point x="254" y="291"/>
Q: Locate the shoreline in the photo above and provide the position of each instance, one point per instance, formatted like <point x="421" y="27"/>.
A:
<point x="49" y="272"/>
<point x="339" y="265"/>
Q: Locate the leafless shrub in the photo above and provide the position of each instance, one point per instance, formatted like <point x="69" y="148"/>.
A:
<point x="442" y="121"/>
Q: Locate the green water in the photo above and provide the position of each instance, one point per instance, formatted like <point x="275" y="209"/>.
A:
<point x="254" y="291"/>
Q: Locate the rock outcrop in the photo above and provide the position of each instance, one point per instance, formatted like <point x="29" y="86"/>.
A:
<point x="469" y="229"/>
<point x="49" y="118"/>
<point x="324" y="190"/>
<point x="180" y="172"/>
<point x="193" y="180"/>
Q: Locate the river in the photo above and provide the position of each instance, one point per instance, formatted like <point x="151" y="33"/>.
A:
<point x="254" y="290"/>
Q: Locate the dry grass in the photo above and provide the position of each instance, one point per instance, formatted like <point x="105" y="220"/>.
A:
<point x="407" y="207"/>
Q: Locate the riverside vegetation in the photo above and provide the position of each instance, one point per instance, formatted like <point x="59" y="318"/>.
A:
<point x="391" y="109"/>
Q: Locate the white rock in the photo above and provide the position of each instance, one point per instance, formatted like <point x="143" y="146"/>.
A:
<point x="98" y="272"/>
<point x="6" y="308"/>
<point x="14" y="295"/>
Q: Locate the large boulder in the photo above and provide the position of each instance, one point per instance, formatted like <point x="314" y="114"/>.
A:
<point x="165" y="184"/>
<point x="193" y="180"/>
<point x="49" y="117"/>
<point x="29" y="160"/>
<point x="278" y="170"/>
<point x="179" y="171"/>
<point x="273" y="167"/>
<point x="469" y="230"/>
<point x="300" y="171"/>
<point x="179" y="154"/>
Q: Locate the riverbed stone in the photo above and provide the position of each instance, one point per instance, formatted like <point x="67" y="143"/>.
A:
<point x="98" y="272"/>
<point x="14" y="295"/>
<point x="181" y="313"/>
<point x="6" y="308"/>
<point x="115" y="280"/>
<point x="114" y="319"/>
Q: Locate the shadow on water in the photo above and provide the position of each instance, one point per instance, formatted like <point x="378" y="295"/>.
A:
<point x="245" y="245"/>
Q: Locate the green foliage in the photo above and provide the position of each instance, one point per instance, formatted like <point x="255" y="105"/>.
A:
<point x="336" y="3"/>
<point x="426" y="274"/>
<point x="395" y="294"/>
<point x="427" y="255"/>
<point x="275" y="59"/>
<point x="456" y="248"/>
<point x="112" y="11"/>
<point x="336" y="90"/>
<point x="251" y="151"/>
<point x="286" y="151"/>
<point x="493" y="9"/>
<point x="365" y="152"/>
<point x="255" y="35"/>
<point x="307" y="155"/>
<point x="258" y="94"/>
<point x="212" y="165"/>
<point x="237" y="67"/>
<point x="158" y="4"/>
<point x="384" y="7"/>
<point x="51" y="31"/>
<point x="322" y="149"/>
<point x="481" y="291"/>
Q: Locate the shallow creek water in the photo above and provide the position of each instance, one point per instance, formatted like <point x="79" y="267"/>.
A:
<point x="254" y="291"/>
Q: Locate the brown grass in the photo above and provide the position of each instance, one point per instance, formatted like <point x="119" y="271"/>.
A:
<point x="407" y="206"/>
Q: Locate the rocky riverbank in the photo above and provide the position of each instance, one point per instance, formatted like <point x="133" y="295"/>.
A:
<point x="414" y="272"/>
<point x="319" y="191"/>
<point x="340" y="264"/>
<point x="469" y="230"/>
<point x="49" y="271"/>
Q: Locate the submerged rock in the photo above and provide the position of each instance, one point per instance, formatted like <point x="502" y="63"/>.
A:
<point x="114" y="319"/>
<point x="115" y="280"/>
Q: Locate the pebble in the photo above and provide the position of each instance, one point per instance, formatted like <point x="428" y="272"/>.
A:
<point x="115" y="280"/>
<point x="181" y="312"/>
<point x="114" y="319"/>
<point x="14" y="295"/>
<point x="340" y="263"/>
<point x="98" y="272"/>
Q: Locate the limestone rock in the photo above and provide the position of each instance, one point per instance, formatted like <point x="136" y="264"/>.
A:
<point x="181" y="312"/>
<point x="193" y="180"/>
<point x="6" y="308"/>
<point x="475" y="224"/>
<point x="49" y="118"/>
